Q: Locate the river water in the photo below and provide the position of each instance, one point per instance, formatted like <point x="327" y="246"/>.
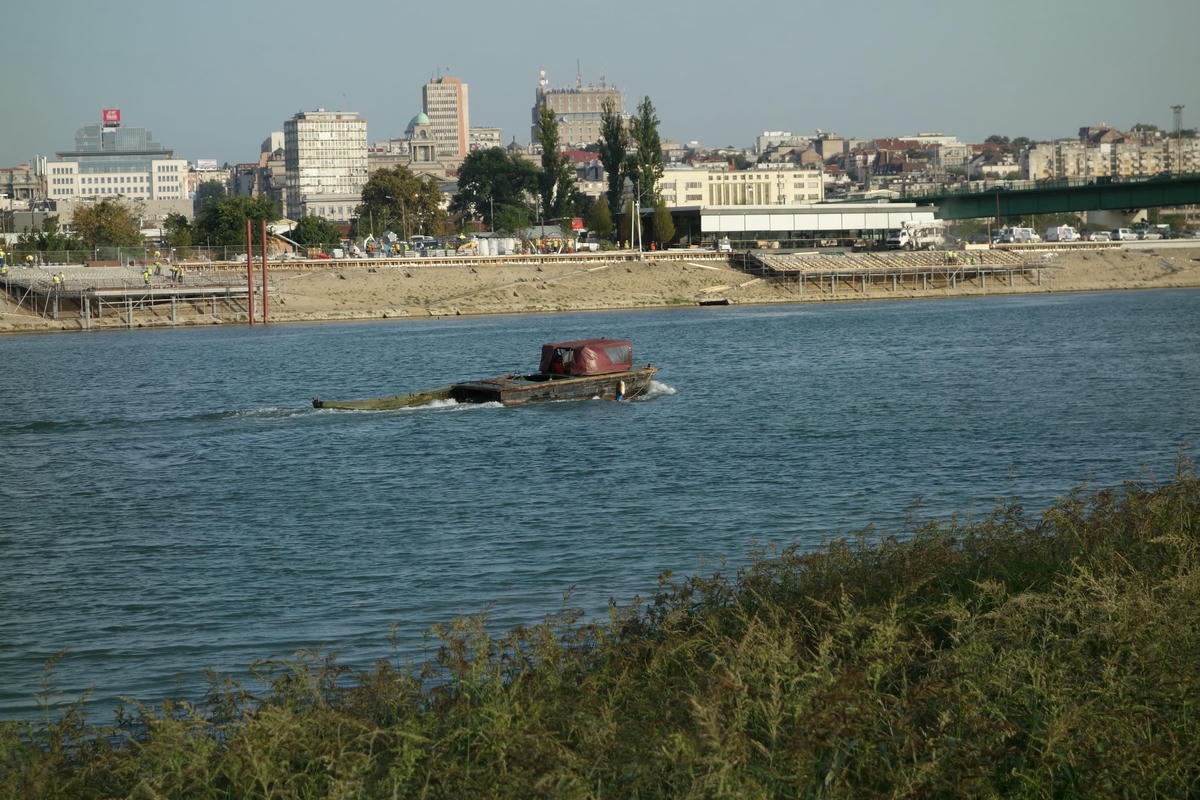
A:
<point x="169" y="500"/>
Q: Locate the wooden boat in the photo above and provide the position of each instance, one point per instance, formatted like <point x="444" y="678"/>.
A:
<point x="578" y="370"/>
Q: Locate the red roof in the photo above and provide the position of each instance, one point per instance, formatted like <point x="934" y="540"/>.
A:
<point x="587" y="357"/>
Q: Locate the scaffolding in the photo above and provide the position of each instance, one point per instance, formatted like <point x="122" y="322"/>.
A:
<point x="125" y="292"/>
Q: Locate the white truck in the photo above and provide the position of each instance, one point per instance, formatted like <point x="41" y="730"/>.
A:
<point x="1061" y="233"/>
<point x="917" y="236"/>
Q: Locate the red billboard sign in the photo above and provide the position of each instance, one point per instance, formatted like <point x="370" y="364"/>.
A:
<point x="112" y="116"/>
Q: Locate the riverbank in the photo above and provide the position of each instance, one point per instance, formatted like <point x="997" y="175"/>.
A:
<point x="359" y="290"/>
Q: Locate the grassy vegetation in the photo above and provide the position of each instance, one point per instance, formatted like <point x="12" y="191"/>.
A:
<point x="1051" y="655"/>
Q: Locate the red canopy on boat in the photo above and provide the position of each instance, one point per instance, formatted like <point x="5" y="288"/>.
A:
<point x="587" y="357"/>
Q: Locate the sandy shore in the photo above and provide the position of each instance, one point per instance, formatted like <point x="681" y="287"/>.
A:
<point x="420" y="289"/>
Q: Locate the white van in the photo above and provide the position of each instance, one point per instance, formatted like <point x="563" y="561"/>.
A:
<point x="1123" y="235"/>
<point x="1019" y="236"/>
<point x="1061" y="233"/>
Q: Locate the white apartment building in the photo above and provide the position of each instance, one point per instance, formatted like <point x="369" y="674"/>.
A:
<point x="716" y="187"/>
<point x="325" y="164"/>
<point x="485" y="138"/>
<point x="444" y="102"/>
<point x="165" y="180"/>
<point x="579" y="110"/>
<point x="1070" y="158"/>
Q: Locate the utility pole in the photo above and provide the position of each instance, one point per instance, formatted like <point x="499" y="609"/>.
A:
<point x="1178" y="114"/>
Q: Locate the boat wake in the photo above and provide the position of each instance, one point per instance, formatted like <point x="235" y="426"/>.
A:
<point x="656" y="389"/>
<point x="273" y="412"/>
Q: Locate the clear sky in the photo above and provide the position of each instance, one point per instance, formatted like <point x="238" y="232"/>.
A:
<point x="213" y="79"/>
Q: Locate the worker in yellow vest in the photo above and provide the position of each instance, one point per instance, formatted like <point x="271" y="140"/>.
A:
<point x="2" y="261"/>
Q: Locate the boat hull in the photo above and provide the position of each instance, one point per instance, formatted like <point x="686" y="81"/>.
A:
<point x="515" y="390"/>
<point x="409" y="400"/>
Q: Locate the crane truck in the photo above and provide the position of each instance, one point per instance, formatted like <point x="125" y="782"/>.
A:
<point x="917" y="236"/>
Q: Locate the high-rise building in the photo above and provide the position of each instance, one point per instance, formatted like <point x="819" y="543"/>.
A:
<point x="325" y="163"/>
<point x="579" y="109"/>
<point x="444" y="102"/>
<point x="114" y="161"/>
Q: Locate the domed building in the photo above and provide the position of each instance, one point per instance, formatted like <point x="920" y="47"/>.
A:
<point x="420" y="119"/>
<point x="417" y="150"/>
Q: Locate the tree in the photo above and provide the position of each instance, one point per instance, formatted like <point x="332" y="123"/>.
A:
<point x="177" y="230"/>
<point x="490" y="179"/>
<point x="557" y="179"/>
<point x="315" y="231"/>
<point x="209" y="189"/>
<point x="107" y="223"/>
<point x="222" y="220"/>
<point x="396" y="195"/>
<point x="614" y="147"/>
<point x="996" y="138"/>
<point x="50" y="238"/>
<point x="512" y="218"/>
<point x="664" y="225"/>
<point x="599" y="220"/>
<point x="646" y="165"/>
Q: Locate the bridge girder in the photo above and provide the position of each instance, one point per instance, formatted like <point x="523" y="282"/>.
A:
<point x="1053" y="200"/>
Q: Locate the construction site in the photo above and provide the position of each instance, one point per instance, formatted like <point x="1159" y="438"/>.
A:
<point x="131" y="293"/>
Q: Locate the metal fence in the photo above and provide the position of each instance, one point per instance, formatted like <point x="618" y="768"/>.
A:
<point x="124" y="256"/>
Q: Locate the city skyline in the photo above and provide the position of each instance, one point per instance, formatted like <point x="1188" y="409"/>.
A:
<point x="214" y="81"/>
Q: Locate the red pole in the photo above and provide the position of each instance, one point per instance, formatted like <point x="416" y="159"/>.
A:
<point x="264" y="258"/>
<point x="250" y="273"/>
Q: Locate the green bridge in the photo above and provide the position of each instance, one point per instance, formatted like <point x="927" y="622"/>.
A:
<point x="1034" y="197"/>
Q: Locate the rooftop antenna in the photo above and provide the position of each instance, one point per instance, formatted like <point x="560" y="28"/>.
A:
<point x="542" y="78"/>
<point x="579" y="77"/>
